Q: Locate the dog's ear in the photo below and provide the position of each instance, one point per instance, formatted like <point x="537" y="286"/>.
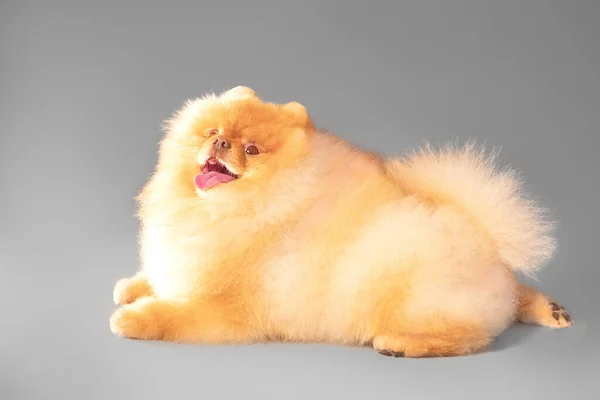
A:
<point x="298" y="111"/>
<point x="239" y="92"/>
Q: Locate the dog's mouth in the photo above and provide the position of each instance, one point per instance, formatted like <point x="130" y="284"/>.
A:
<point x="214" y="172"/>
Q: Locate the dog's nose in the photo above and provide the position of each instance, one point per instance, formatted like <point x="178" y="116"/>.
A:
<point x="220" y="143"/>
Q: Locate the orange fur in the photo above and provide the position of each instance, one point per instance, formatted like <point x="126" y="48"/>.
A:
<point x="128" y="290"/>
<point x="318" y="240"/>
<point x="540" y="309"/>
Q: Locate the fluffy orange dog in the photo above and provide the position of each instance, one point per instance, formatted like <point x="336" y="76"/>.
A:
<point x="256" y="227"/>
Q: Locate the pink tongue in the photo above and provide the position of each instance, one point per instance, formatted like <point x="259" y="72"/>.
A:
<point x="210" y="179"/>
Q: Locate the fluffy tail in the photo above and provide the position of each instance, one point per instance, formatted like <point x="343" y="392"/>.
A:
<point x="467" y="177"/>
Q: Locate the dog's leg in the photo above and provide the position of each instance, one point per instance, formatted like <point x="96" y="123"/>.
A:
<point x="189" y="321"/>
<point x="443" y="340"/>
<point x="540" y="309"/>
<point x="128" y="290"/>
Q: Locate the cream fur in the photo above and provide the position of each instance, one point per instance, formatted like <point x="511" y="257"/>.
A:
<point x="321" y="241"/>
<point x="469" y="179"/>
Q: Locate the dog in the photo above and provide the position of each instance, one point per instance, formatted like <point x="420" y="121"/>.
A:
<point x="256" y="226"/>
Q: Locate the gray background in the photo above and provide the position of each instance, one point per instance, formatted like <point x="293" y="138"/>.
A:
<point x="85" y="85"/>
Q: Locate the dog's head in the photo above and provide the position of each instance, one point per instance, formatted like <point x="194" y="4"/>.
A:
<point x="233" y="140"/>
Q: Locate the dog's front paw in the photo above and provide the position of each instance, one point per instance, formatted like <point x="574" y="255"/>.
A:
<point x="136" y="321"/>
<point x="128" y="290"/>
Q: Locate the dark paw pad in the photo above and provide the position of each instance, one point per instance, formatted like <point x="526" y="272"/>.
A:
<point x="391" y="353"/>
<point x="556" y="307"/>
<point x="559" y="311"/>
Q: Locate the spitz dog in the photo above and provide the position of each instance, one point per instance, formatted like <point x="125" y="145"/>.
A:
<point x="256" y="226"/>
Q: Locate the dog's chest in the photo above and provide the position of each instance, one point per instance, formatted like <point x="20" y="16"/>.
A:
<point x="176" y="260"/>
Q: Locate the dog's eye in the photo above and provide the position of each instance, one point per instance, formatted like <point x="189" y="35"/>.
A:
<point x="252" y="150"/>
<point x="210" y="133"/>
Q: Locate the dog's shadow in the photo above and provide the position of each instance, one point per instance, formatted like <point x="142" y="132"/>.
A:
<point x="516" y="335"/>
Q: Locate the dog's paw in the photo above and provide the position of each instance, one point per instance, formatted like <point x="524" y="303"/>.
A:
<point x="389" y="346"/>
<point x="136" y="321"/>
<point x="128" y="290"/>
<point x="122" y="293"/>
<point x="558" y="317"/>
<point x="390" y="353"/>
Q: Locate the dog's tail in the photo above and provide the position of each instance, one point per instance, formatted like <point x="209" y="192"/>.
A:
<point x="468" y="179"/>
